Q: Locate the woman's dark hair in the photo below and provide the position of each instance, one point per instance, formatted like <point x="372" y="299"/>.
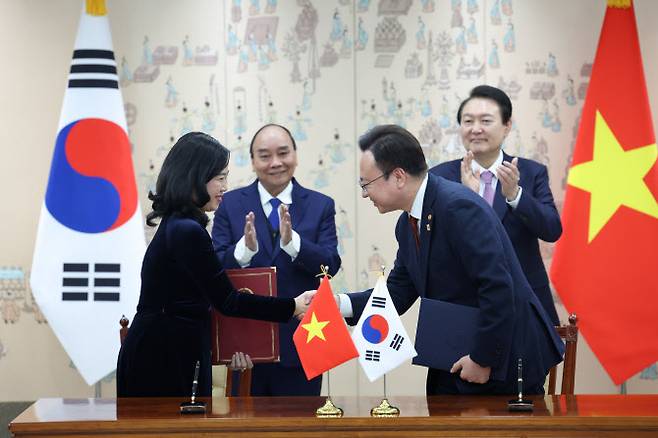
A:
<point x="393" y="147"/>
<point x="195" y="159"/>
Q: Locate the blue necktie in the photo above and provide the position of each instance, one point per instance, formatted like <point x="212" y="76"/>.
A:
<point x="274" y="214"/>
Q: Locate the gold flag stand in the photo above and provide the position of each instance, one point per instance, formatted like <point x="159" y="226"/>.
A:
<point x="385" y="409"/>
<point x="329" y="409"/>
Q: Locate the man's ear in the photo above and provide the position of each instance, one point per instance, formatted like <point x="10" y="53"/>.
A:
<point x="400" y="177"/>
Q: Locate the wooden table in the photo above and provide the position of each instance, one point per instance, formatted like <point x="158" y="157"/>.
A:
<point x="473" y="416"/>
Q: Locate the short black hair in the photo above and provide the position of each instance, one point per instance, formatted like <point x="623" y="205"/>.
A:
<point x="195" y="159"/>
<point x="393" y="147"/>
<point x="488" y="92"/>
<point x="251" y="145"/>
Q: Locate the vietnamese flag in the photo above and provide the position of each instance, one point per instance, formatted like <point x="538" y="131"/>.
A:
<point x="604" y="267"/>
<point x="322" y="339"/>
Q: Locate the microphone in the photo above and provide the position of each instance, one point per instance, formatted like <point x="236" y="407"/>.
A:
<point x="193" y="406"/>
<point x="519" y="404"/>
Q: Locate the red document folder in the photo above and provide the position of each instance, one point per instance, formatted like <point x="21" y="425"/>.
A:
<point x="259" y="339"/>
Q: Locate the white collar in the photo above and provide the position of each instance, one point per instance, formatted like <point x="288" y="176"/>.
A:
<point x="417" y="206"/>
<point x="475" y="166"/>
<point x="285" y="196"/>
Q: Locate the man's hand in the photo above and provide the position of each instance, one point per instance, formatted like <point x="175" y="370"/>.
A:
<point x="285" y="225"/>
<point x="471" y="371"/>
<point x="250" y="239"/>
<point x="302" y="302"/>
<point x="240" y="362"/>
<point x="469" y="178"/>
<point x="508" y="175"/>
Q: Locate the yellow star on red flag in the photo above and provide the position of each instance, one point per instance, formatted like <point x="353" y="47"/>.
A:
<point x="614" y="177"/>
<point x="314" y="328"/>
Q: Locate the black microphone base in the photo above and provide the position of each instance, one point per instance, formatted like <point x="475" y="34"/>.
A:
<point x="521" y="405"/>
<point x="195" y="407"/>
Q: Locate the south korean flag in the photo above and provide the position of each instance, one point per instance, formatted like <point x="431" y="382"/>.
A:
<point x="379" y="336"/>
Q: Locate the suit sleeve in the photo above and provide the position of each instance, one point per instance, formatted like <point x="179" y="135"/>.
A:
<point x="222" y="239"/>
<point x="324" y="251"/>
<point x="537" y="209"/>
<point x="476" y="239"/>
<point x="192" y="249"/>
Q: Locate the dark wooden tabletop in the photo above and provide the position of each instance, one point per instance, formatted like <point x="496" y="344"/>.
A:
<point x="580" y="415"/>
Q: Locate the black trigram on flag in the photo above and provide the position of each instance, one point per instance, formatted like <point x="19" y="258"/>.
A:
<point x="379" y="302"/>
<point x="93" y="68"/>
<point x="77" y="282"/>
<point x="396" y="342"/>
<point x="372" y="355"/>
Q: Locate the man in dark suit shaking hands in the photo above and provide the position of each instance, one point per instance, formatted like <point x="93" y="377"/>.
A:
<point x="516" y="188"/>
<point x="453" y="248"/>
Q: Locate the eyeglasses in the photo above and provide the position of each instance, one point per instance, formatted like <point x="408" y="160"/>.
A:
<point x="364" y="187"/>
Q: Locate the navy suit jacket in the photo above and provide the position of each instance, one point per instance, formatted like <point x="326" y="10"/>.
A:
<point x="466" y="258"/>
<point x="535" y="217"/>
<point x="313" y="218"/>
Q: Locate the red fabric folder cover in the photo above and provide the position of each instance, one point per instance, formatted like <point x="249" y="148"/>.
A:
<point x="259" y="339"/>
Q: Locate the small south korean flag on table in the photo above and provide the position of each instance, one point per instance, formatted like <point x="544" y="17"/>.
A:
<point x="379" y="336"/>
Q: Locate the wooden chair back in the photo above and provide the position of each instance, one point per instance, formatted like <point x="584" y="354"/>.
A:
<point x="569" y="334"/>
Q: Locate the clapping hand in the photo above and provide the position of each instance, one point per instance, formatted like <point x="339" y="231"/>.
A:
<point x="250" y="239"/>
<point x="285" y="224"/>
<point x="469" y="178"/>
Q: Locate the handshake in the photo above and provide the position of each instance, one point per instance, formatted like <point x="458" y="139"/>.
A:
<point x="303" y="301"/>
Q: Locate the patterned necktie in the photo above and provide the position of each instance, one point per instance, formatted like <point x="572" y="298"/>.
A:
<point x="274" y="214"/>
<point x="488" y="193"/>
<point x="413" y="222"/>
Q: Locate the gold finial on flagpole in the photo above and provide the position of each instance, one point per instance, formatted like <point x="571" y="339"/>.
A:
<point x="324" y="272"/>
<point x="622" y="4"/>
<point x="96" y="8"/>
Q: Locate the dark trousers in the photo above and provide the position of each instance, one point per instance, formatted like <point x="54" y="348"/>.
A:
<point x="273" y="379"/>
<point x="443" y="382"/>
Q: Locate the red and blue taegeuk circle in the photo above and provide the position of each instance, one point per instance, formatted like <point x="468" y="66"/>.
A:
<point x="92" y="187"/>
<point x="375" y="329"/>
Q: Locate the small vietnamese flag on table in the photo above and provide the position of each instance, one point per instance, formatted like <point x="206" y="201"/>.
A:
<point x="604" y="266"/>
<point x="322" y="339"/>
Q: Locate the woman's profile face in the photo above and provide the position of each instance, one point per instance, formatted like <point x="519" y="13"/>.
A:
<point x="216" y="188"/>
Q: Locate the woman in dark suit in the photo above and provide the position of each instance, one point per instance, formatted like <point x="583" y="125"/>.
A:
<point x="182" y="278"/>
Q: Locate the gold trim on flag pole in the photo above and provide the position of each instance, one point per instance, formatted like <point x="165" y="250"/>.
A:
<point x="96" y="8"/>
<point x="324" y="272"/>
<point x="622" y="4"/>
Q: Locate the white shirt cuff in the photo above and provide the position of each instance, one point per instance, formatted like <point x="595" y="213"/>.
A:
<point x="514" y="202"/>
<point x="242" y="254"/>
<point x="292" y="248"/>
<point x="345" y="306"/>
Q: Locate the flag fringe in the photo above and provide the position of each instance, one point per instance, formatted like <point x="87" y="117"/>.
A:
<point x="622" y="4"/>
<point x="96" y="8"/>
